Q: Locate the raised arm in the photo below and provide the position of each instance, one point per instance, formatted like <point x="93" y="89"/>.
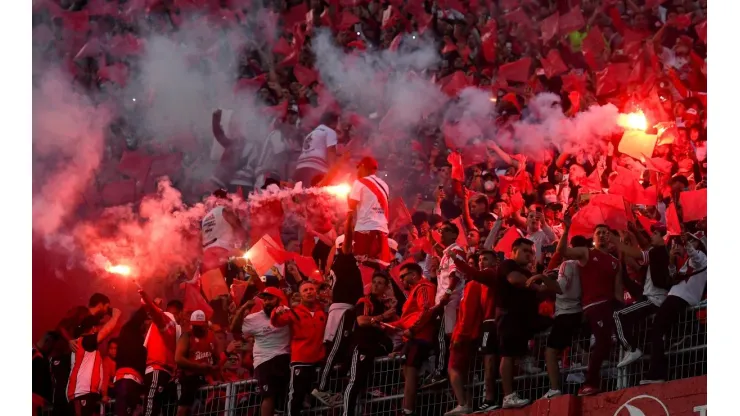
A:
<point x="491" y="239"/>
<point x="109" y="326"/>
<point x="218" y="131"/>
<point x="570" y="253"/>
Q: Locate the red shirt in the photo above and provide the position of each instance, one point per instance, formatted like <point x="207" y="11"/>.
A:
<point x="597" y="277"/>
<point x="488" y="302"/>
<point x="306" y="332"/>
<point x="420" y="299"/>
<point x="201" y="350"/>
<point x="470" y="314"/>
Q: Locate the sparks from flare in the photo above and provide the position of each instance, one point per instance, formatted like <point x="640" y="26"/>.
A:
<point x="633" y="121"/>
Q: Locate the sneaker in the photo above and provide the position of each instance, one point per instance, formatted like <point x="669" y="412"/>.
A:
<point x="630" y="358"/>
<point x="487" y="406"/>
<point x="326" y="398"/>
<point x="588" y="391"/>
<point x="459" y="410"/>
<point x="513" y="401"/>
<point x="552" y="393"/>
<point x="435" y="381"/>
<point x="651" y="381"/>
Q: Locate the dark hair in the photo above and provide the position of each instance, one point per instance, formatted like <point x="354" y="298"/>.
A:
<point x="221" y="193"/>
<point x="487" y="252"/>
<point x="481" y="199"/>
<point x="435" y="219"/>
<point x="602" y="226"/>
<point x="413" y="267"/>
<point x="87" y="323"/>
<point x="579" y="241"/>
<point x="474" y="257"/>
<point x="303" y="282"/>
<point x="418" y="218"/>
<point x="175" y="304"/>
<point x="270" y="181"/>
<point x="682" y="179"/>
<point x="98" y="299"/>
<point x="382" y="275"/>
<point x="113" y="340"/>
<point x="521" y="241"/>
<point x="452" y="226"/>
<point x="487" y="216"/>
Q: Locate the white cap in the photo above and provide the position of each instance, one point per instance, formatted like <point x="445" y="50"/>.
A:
<point x="338" y="242"/>
<point x="198" y="318"/>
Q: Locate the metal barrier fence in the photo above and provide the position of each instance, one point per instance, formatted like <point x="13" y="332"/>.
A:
<point x="686" y="348"/>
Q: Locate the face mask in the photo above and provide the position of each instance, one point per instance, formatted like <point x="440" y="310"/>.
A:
<point x="549" y="199"/>
<point x="489" y="186"/>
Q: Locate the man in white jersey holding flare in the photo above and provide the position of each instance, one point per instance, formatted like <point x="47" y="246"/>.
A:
<point x="368" y="214"/>
<point x="319" y="152"/>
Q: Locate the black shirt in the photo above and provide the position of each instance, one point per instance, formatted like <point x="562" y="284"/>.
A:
<point x="348" y="287"/>
<point x="40" y="376"/>
<point x="514" y="300"/>
<point x="131" y="349"/>
<point x="60" y="366"/>
<point x="371" y="336"/>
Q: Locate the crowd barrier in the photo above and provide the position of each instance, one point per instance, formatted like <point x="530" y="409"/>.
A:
<point x="686" y="348"/>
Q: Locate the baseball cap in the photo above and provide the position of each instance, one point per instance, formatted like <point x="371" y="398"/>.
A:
<point x="273" y="291"/>
<point x="369" y="162"/>
<point x="198" y="318"/>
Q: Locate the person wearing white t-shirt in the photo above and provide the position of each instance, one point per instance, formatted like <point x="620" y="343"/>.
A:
<point x="271" y="347"/>
<point x="688" y="266"/>
<point x="368" y="214"/>
<point x="319" y="152"/>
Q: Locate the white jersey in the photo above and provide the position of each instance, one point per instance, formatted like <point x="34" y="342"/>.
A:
<point x="269" y="341"/>
<point x="216" y="231"/>
<point x="370" y="213"/>
<point x="314" y="154"/>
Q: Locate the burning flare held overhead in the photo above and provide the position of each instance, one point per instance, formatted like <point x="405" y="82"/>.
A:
<point x="633" y="121"/>
<point x="341" y="191"/>
<point x="120" y="269"/>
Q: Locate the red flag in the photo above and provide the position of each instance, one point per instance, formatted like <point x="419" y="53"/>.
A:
<point x="448" y="48"/>
<point x="421" y="245"/>
<point x="505" y="243"/>
<point x="571" y="21"/>
<point x="194" y="301"/>
<point x="694" y="204"/>
<point x="282" y="47"/>
<point x="295" y="14"/>
<point x="119" y="192"/>
<point x="462" y="239"/>
<point x="646" y="223"/>
<point x="122" y="46"/>
<point x="574" y="82"/>
<point x="673" y="224"/>
<point x="509" y="4"/>
<point x="518" y="16"/>
<point x="76" y="21"/>
<point x="453" y="84"/>
<point x="166" y="165"/>
<point x="553" y="64"/>
<point x="245" y="83"/>
<point x="395" y="43"/>
<point x="367" y="274"/>
<point x="390" y="17"/>
<point x="396" y="272"/>
<point x="612" y="210"/>
<point x="347" y="21"/>
<point x="458" y="173"/>
<point x="592" y="182"/>
<point x="262" y="256"/>
<point x="701" y="31"/>
<point x="516" y="71"/>
<point x="550" y="26"/>
<point x="594" y="42"/>
<point x="488" y="46"/>
<point x="637" y="144"/>
<point x="585" y="220"/>
<point x="399" y="214"/>
<point x="307" y="266"/>
<point x="116" y="73"/>
<point x="658" y="164"/>
<point x="290" y="60"/>
<point x="135" y="165"/>
<point x="305" y="76"/>
<point x="90" y="49"/>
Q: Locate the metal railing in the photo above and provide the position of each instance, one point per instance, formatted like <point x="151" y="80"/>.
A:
<point x="686" y="348"/>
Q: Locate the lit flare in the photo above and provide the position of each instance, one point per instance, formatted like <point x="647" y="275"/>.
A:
<point x="633" y="121"/>
<point x="121" y="269"/>
<point x="340" y="191"/>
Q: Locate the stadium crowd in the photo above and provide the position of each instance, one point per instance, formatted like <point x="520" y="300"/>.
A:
<point x="447" y="246"/>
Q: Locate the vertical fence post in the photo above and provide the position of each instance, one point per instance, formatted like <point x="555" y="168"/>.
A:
<point x="230" y="395"/>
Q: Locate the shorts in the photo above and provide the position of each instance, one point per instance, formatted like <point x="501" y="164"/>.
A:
<point x="373" y="244"/>
<point x="273" y="376"/>
<point x="128" y="395"/>
<point x="564" y="328"/>
<point x="514" y="333"/>
<point x="460" y="354"/>
<point x="187" y="389"/>
<point x="489" y="339"/>
<point x="87" y="404"/>
<point x="416" y="352"/>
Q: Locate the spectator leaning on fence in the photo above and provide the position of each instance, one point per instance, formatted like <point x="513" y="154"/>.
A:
<point x="198" y="361"/>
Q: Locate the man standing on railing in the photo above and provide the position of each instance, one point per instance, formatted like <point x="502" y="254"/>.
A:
<point x="418" y="329"/>
<point x="306" y="322"/>
<point x="450" y="285"/>
<point x="655" y="289"/>
<point x="197" y="358"/>
<point x="688" y="266"/>
<point x="601" y="289"/>
<point x="369" y="339"/>
<point x="271" y="349"/>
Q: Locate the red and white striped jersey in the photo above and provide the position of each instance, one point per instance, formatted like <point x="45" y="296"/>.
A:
<point x="86" y="375"/>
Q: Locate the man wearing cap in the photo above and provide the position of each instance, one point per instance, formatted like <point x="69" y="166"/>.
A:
<point x="271" y="350"/>
<point x="368" y="214"/>
<point x="197" y="358"/>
